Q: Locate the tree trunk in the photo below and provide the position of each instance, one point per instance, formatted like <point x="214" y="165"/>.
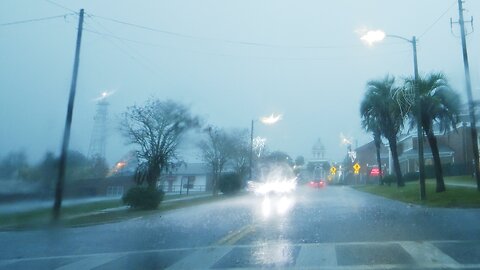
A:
<point x="153" y="174"/>
<point x="396" y="163"/>
<point x="432" y="140"/>
<point x="379" y="160"/>
<point x="215" y="180"/>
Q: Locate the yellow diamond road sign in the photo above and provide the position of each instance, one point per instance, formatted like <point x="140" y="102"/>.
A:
<point x="333" y="170"/>
<point x="356" y="168"/>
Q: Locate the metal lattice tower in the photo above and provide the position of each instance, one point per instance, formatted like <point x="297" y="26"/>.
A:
<point x="98" y="139"/>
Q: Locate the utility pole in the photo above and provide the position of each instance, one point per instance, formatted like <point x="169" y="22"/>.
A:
<point x="251" y="153"/>
<point x="68" y="123"/>
<point x="471" y="108"/>
<point x="421" y="160"/>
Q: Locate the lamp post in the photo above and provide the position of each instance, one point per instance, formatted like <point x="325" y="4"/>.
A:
<point x="268" y="120"/>
<point x="371" y="37"/>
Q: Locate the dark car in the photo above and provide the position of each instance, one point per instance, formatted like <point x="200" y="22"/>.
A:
<point x="321" y="183"/>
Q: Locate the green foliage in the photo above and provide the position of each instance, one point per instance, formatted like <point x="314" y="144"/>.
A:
<point x="389" y="179"/>
<point x="143" y="198"/>
<point x="14" y="166"/>
<point x="383" y="115"/>
<point x="230" y="183"/>
<point x="300" y="161"/>
<point x="411" y="176"/>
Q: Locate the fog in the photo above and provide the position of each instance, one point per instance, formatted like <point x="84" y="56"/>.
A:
<point x="230" y="61"/>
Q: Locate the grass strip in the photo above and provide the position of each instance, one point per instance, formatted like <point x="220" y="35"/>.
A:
<point x="454" y="197"/>
<point x="91" y="213"/>
<point x="124" y="214"/>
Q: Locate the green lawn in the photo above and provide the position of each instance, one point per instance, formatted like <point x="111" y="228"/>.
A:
<point x="123" y="214"/>
<point x="462" y="197"/>
<point x="463" y="179"/>
<point x="42" y="217"/>
<point x="90" y="213"/>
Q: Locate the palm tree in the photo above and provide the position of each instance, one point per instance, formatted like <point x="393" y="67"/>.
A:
<point x="370" y="124"/>
<point x="380" y="107"/>
<point x="439" y="104"/>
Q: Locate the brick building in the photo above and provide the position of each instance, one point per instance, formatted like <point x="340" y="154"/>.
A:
<point x="455" y="149"/>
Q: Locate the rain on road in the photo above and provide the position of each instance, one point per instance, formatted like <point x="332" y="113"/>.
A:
<point x="327" y="228"/>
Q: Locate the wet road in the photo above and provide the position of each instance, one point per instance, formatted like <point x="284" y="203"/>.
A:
<point x="332" y="228"/>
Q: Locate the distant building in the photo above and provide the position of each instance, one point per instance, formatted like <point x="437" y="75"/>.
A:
<point x="367" y="156"/>
<point x="455" y="149"/>
<point x="192" y="177"/>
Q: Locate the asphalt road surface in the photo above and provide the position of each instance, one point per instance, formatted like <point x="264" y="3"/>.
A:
<point x="330" y="228"/>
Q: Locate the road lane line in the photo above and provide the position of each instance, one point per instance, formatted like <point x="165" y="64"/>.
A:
<point x="319" y="255"/>
<point x="426" y="254"/>
<point x="90" y="262"/>
<point x="201" y="259"/>
<point x="232" y="238"/>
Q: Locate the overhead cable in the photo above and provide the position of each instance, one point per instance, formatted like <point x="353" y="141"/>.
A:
<point x="35" y="20"/>
<point x="438" y="19"/>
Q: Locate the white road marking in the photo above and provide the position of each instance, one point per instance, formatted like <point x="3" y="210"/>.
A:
<point x="201" y="259"/>
<point x="317" y="255"/>
<point x="90" y="262"/>
<point x="310" y="256"/>
<point x="425" y="253"/>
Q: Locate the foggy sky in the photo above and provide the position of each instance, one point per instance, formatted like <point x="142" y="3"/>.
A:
<point x="231" y="61"/>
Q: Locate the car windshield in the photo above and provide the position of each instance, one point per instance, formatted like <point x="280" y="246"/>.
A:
<point x="239" y="134"/>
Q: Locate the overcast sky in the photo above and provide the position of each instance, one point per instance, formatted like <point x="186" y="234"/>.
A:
<point x="231" y="61"/>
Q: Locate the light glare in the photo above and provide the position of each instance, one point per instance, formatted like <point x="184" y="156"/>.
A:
<point x="104" y="95"/>
<point x="373" y="36"/>
<point x="270" y="120"/>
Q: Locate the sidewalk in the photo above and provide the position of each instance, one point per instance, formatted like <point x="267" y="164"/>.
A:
<point x="461" y="184"/>
<point x="25" y="206"/>
<point x="186" y="197"/>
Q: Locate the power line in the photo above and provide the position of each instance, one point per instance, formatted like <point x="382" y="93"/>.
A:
<point x="306" y="58"/>
<point x="61" y="6"/>
<point x="438" y="19"/>
<point x="238" y="42"/>
<point x="110" y="38"/>
<point x="36" y="19"/>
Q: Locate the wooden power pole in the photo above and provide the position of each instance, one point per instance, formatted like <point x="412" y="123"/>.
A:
<point x="68" y="123"/>
<point x="471" y="108"/>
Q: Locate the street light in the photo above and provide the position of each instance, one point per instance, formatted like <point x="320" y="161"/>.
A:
<point x="267" y="120"/>
<point x="370" y="37"/>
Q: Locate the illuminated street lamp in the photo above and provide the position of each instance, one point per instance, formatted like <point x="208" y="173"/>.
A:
<point x="372" y="36"/>
<point x="267" y="120"/>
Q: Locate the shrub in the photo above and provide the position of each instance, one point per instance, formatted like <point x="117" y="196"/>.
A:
<point x="389" y="179"/>
<point x="230" y="183"/>
<point x="411" y="176"/>
<point x="143" y="198"/>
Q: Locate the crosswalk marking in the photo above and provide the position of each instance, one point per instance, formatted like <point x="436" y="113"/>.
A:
<point x="202" y="258"/>
<point x="90" y="262"/>
<point x="427" y="254"/>
<point x="317" y="255"/>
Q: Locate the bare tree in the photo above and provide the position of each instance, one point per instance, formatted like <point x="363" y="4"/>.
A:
<point x="241" y="151"/>
<point x="157" y="128"/>
<point x="217" y="150"/>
